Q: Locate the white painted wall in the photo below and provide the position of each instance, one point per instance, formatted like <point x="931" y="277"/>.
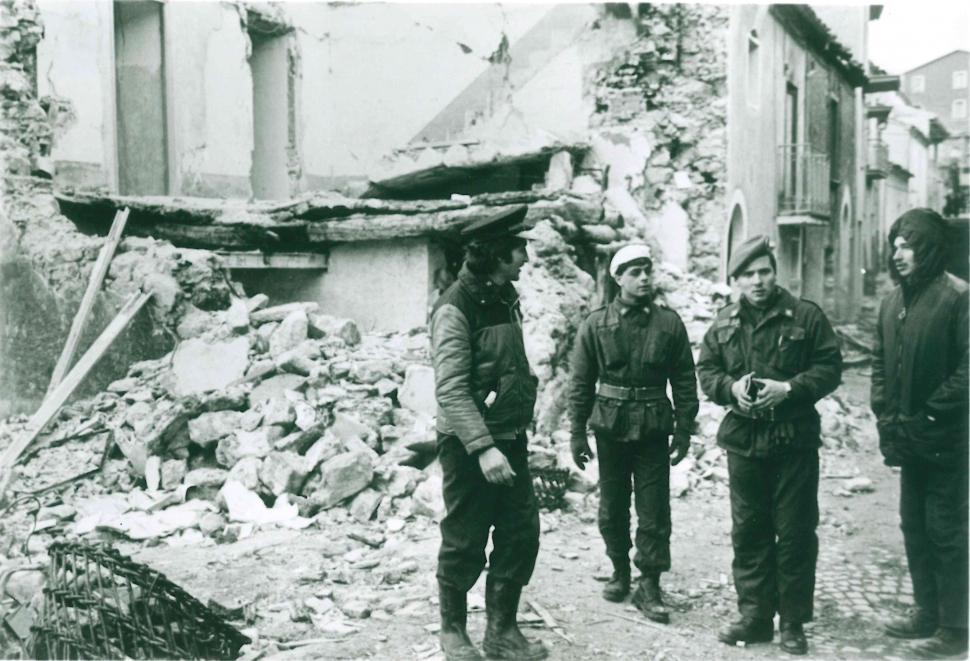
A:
<point x="72" y="61"/>
<point x="381" y="285"/>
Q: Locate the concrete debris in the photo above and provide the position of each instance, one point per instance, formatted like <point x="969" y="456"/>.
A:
<point x="200" y="366"/>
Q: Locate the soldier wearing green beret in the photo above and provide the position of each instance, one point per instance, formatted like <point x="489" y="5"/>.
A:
<point x="768" y="357"/>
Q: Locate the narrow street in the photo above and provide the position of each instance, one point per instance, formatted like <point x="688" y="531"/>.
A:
<point x="286" y="579"/>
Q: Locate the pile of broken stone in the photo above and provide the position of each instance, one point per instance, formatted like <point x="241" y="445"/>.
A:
<point x="259" y="415"/>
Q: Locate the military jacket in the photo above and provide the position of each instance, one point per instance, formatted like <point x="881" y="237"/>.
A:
<point x="791" y="341"/>
<point x="484" y="385"/>
<point x="633" y="347"/>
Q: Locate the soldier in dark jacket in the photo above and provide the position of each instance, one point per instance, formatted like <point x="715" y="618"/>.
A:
<point x="486" y="393"/>
<point x="624" y="356"/>
<point x="769" y="357"/>
<point x="919" y="396"/>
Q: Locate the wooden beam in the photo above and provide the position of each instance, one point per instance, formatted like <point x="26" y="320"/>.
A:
<point x="55" y="399"/>
<point x="90" y="295"/>
<point x="257" y="259"/>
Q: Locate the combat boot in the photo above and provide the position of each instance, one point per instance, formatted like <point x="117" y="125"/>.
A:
<point x="453" y="637"/>
<point x="503" y="640"/>
<point x="793" y="638"/>
<point x="618" y="587"/>
<point x="648" y="600"/>
<point x="946" y="643"/>
<point x="747" y="630"/>
<point x="916" y="623"/>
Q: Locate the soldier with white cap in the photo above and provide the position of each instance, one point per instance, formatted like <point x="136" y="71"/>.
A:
<point x="624" y="356"/>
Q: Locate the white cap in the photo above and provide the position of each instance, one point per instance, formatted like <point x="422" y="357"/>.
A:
<point x="627" y="254"/>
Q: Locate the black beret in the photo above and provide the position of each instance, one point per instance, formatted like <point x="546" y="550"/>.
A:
<point x="507" y="222"/>
<point x="747" y="252"/>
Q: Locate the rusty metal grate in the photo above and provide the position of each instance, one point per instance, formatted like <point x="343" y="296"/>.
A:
<point x="99" y="604"/>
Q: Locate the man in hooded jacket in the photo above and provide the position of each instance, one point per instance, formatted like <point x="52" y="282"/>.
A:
<point x="919" y="396"/>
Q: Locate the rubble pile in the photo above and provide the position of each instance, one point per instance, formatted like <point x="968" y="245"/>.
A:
<point x="664" y="102"/>
<point x="281" y="406"/>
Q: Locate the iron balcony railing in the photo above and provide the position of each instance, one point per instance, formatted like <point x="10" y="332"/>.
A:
<point x="877" y="166"/>
<point x="805" y="181"/>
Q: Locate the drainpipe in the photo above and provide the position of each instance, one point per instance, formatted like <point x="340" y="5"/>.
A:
<point x="862" y="156"/>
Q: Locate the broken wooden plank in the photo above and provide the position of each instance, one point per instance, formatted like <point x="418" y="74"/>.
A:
<point x="56" y="398"/>
<point x="550" y="622"/>
<point x="90" y="295"/>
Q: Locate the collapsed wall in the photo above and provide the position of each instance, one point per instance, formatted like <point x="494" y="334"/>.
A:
<point x="659" y="130"/>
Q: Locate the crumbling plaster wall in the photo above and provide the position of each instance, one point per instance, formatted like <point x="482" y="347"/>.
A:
<point x="648" y="92"/>
<point x="76" y="48"/>
<point x="374" y="74"/>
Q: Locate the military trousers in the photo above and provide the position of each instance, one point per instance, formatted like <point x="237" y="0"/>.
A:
<point x="933" y="514"/>
<point x="640" y="468"/>
<point x="475" y="508"/>
<point x="774" y="514"/>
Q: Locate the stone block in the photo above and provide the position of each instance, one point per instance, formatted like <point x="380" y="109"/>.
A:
<point x="173" y="472"/>
<point x="417" y="393"/>
<point x="200" y="367"/>
<point x="341" y="477"/>
<point x="275" y="387"/>
<point x="210" y="427"/>
<point x="291" y="332"/>
<point x="283" y="472"/>
<point x="281" y="312"/>
<point x="243" y="444"/>
<point x="246" y="472"/>
<point x="365" y="504"/>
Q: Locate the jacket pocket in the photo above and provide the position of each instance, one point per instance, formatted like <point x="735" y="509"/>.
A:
<point x="930" y="440"/>
<point x="791" y="349"/>
<point x="613" y="354"/>
<point x="727" y="340"/>
<point x="606" y="417"/>
<point x="514" y="402"/>
<point x="657" y="350"/>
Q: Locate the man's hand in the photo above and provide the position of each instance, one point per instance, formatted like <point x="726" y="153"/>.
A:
<point x="579" y="446"/>
<point x="495" y="467"/>
<point x="772" y="394"/>
<point x="739" y="390"/>
<point x="679" y="445"/>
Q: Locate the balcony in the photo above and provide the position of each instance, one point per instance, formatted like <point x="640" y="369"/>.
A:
<point x="877" y="165"/>
<point x="804" y="189"/>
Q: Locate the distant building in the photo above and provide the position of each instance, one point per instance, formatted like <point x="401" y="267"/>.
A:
<point x="903" y="169"/>
<point x="796" y="145"/>
<point x="941" y="86"/>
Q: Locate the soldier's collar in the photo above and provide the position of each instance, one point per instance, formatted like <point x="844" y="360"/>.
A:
<point x="626" y="308"/>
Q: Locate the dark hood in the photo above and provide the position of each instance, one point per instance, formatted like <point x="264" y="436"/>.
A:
<point x="926" y="232"/>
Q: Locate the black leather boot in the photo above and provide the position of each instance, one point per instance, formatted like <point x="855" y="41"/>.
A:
<point x="793" y="638"/>
<point x="916" y="623"/>
<point x="503" y="640"/>
<point x="453" y="638"/>
<point x="946" y="643"/>
<point x="747" y="630"/>
<point x="618" y="587"/>
<point x="648" y="600"/>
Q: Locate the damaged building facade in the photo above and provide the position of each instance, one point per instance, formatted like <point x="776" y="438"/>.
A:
<point x="340" y="164"/>
<point x="796" y="153"/>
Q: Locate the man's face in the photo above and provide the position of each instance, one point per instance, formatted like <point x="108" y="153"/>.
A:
<point x="509" y="271"/>
<point x="756" y="281"/>
<point x="634" y="281"/>
<point x="903" y="257"/>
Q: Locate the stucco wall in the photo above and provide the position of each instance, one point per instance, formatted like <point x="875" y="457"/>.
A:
<point x="72" y="61"/>
<point x="756" y="126"/>
<point x="382" y="285"/>
<point x="370" y="76"/>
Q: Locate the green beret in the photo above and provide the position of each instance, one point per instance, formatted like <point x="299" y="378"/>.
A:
<point x="747" y="252"/>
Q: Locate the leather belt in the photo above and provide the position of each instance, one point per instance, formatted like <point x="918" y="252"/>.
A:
<point x="644" y="394"/>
